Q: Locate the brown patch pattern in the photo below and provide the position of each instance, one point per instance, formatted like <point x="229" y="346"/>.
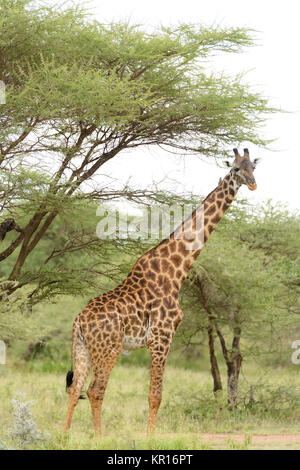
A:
<point x="143" y="311"/>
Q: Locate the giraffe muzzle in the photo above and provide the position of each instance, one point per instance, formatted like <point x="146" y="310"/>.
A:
<point x="252" y="186"/>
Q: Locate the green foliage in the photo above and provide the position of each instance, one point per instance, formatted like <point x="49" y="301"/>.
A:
<point x="243" y="281"/>
<point x="151" y="85"/>
<point x="71" y="259"/>
<point x="79" y="92"/>
<point x="16" y="319"/>
<point x="274" y="400"/>
<point x="248" y="274"/>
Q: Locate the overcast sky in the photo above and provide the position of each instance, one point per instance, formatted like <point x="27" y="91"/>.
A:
<point x="273" y="68"/>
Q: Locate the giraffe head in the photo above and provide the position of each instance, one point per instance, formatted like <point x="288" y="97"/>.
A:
<point x="242" y="169"/>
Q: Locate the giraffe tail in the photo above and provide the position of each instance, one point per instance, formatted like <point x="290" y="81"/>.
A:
<point x="69" y="378"/>
<point x="70" y="373"/>
<point x="69" y="381"/>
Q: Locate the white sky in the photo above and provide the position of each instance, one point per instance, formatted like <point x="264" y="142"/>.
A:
<point x="273" y="66"/>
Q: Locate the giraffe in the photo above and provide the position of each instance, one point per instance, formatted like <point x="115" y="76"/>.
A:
<point x="144" y="311"/>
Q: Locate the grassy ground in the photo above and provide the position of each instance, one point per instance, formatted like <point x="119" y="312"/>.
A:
<point x="188" y="412"/>
<point x="189" y="418"/>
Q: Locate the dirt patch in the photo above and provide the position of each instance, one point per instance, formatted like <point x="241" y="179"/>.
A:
<point x="255" y="438"/>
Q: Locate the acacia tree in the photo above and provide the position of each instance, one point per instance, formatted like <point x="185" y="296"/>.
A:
<point x="243" y="292"/>
<point x="78" y="93"/>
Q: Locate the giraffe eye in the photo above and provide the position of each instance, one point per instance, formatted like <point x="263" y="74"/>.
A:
<point x="236" y="169"/>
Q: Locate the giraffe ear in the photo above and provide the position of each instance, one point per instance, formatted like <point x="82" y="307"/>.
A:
<point x="227" y="164"/>
<point x="255" y="162"/>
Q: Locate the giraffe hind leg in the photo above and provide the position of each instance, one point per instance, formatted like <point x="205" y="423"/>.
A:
<point x="104" y="353"/>
<point x="98" y="386"/>
<point x="75" y="382"/>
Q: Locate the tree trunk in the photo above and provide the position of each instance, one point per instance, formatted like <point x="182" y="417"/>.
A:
<point x="33" y="234"/>
<point x="234" y="366"/>
<point x="233" y="361"/>
<point x="32" y="349"/>
<point x="233" y="372"/>
<point x="213" y="362"/>
<point x="211" y="342"/>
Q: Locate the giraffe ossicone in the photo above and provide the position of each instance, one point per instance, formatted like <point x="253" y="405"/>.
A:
<point x="143" y="311"/>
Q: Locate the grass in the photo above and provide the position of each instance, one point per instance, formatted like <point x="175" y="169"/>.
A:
<point x="188" y="413"/>
<point x="188" y="409"/>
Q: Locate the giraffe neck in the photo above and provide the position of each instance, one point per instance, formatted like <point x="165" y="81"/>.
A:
<point x="167" y="264"/>
<point x="185" y="244"/>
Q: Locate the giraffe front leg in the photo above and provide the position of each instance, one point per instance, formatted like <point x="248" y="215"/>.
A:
<point x="159" y="342"/>
<point x="159" y="353"/>
<point x="155" y="394"/>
